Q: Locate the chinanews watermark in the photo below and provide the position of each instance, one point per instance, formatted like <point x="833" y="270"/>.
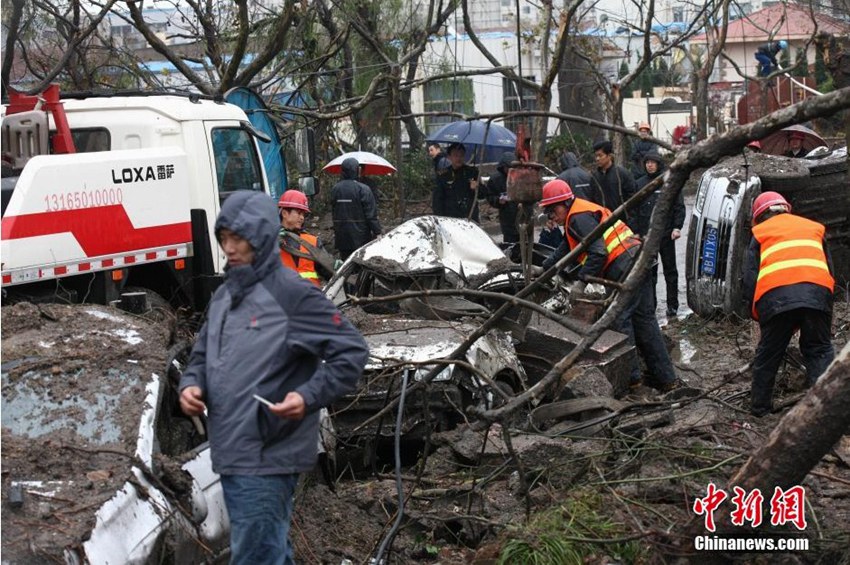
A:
<point x="787" y="507"/>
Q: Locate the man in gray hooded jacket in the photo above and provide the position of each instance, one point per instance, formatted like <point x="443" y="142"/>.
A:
<point x="272" y="334"/>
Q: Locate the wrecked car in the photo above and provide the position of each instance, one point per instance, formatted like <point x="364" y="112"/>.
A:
<point x="817" y="187"/>
<point x="99" y="465"/>
<point x="409" y="337"/>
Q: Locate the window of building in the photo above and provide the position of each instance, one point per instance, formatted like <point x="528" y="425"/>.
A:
<point x="453" y="95"/>
<point x="678" y="14"/>
<point x="514" y="104"/>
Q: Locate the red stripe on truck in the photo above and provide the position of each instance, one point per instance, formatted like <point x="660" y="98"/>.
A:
<point x="105" y="230"/>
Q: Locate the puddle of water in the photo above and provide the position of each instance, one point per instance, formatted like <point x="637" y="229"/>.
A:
<point x="685" y="351"/>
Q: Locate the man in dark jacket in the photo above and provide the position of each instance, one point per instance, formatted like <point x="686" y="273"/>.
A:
<point x="611" y="184"/>
<point x="795" y="145"/>
<point x="766" y="56"/>
<point x="574" y="175"/>
<point x="610" y="257"/>
<point x="654" y="167"/>
<point x="354" y="211"/>
<point x="642" y="147"/>
<point x="270" y="335"/>
<point x="438" y="157"/>
<point x="456" y="187"/>
<point x="497" y="196"/>
<point x="788" y="284"/>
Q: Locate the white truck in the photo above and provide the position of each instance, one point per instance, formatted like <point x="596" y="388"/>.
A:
<point x="129" y="201"/>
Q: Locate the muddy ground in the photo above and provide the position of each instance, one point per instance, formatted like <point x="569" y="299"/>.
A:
<point x="604" y="488"/>
<point x="629" y="482"/>
<point x="74" y="387"/>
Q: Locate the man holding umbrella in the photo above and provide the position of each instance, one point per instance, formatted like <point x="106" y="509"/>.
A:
<point x="355" y="212"/>
<point x="455" y="195"/>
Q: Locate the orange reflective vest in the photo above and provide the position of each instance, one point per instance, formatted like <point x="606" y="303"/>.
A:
<point x="304" y="267"/>
<point x="791" y="253"/>
<point x="617" y="238"/>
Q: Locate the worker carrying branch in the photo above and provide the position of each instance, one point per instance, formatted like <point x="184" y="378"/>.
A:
<point x="766" y="56"/>
<point x="788" y="280"/>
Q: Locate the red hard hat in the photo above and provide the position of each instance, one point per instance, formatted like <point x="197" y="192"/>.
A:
<point x="556" y="191"/>
<point x="293" y="199"/>
<point x="767" y="200"/>
<point x="644" y="125"/>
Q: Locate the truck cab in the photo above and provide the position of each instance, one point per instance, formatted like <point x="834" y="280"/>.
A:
<point x="141" y="193"/>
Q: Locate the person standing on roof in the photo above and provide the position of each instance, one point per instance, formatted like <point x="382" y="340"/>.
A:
<point x="795" y="145"/>
<point x="270" y="334"/>
<point x="295" y="255"/>
<point x="611" y="257"/>
<point x="788" y="284"/>
<point x="654" y="167"/>
<point x="574" y="175"/>
<point x="766" y="56"/>
<point x="456" y="187"/>
<point x="354" y="211"/>
<point x="611" y="184"/>
<point x="496" y="191"/>
<point x="641" y="148"/>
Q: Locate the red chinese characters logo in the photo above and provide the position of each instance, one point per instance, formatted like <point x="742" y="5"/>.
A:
<point x="747" y="507"/>
<point x="714" y="497"/>
<point x="786" y="506"/>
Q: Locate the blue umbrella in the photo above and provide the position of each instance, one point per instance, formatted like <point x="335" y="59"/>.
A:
<point x="472" y="134"/>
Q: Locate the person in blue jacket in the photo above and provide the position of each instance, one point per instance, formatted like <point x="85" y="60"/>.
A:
<point x="766" y="56"/>
<point x="272" y="334"/>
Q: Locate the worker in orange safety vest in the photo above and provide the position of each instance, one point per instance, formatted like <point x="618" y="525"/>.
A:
<point x="294" y="208"/>
<point x="789" y="284"/>
<point x="611" y="257"/>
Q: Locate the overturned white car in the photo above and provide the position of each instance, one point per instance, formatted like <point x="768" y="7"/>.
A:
<point x="817" y="187"/>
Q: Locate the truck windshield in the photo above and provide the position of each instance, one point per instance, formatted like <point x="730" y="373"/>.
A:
<point x="237" y="164"/>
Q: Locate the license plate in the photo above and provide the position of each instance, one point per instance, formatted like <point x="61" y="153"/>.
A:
<point x="709" y="252"/>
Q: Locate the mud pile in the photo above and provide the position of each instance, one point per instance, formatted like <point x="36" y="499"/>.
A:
<point x="74" y="388"/>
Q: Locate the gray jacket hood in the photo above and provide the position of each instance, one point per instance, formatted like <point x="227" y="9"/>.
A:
<point x="505" y="161"/>
<point x="253" y="216"/>
<point x="569" y="160"/>
<point x="350" y="168"/>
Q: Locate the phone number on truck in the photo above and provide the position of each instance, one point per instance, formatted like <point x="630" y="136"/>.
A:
<point x="83" y="199"/>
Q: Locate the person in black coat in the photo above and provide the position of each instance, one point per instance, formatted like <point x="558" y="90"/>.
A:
<point x="641" y="148"/>
<point x="611" y="184"/>
<point x="654" y="167"/>
<point x="438" y="157"/>
<point x="497" y="196"/>
<point x="455" y="195"/>
<point x="355" y="212"/>
<point x="574" y="175"/>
